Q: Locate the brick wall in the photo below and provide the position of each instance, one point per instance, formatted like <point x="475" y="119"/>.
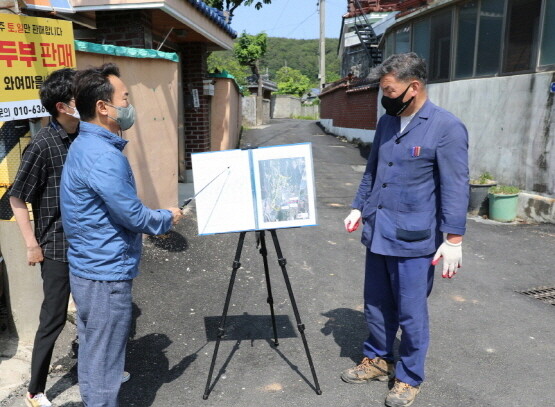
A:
<point x="196" y="120"/>
<point x="126" y="28"/>
<point x="354" y="108"/>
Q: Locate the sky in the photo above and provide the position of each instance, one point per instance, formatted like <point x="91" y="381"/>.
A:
<point x="290" y="19"/>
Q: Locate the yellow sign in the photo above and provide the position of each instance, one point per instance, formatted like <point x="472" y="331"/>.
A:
<point x="30" y="49"/>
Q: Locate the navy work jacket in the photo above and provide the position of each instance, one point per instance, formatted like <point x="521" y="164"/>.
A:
<point x="415" y="186"/>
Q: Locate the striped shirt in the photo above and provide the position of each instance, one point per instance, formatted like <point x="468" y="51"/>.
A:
<point x="38" y="182"/>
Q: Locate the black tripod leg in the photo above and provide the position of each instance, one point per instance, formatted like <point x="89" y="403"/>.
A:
<point x="282" y="262"/>
<point x="221" y="329"/>
<point x="264" y="253"/>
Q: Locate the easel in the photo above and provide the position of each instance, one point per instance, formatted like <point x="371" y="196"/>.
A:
<point x="300" y="326"/>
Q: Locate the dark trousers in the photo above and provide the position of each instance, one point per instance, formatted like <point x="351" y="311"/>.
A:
<point x="53" y="313"/>
<point x="396" y="297"/>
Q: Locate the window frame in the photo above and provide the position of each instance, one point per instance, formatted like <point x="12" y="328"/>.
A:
<point x="543" y="16"/>
<point x="454" y="9"/>
<point x="505" y="43"/>
<point x="457" y="7"/>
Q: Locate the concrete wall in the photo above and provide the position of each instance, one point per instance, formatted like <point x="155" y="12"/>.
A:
<point x="287" y="106"/>
<point x="354" y="135"/>
<point x="249" y="111"/>
<point x="225" y="126"/>
<point x="248" y="108"/>
<point x="23" y="283"/>
<point x="510" y="123"/>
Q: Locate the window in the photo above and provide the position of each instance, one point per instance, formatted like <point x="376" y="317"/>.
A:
<point x="440" y="46"/>
<point x="522" y="34"/>
<point x="421" y="39"/>
<point x="389" y="45"/>
<point x="489" y="38"/>
<point x="547" y="55"/>
<point x="466" y="39"/>
<point x="402" y="40"/>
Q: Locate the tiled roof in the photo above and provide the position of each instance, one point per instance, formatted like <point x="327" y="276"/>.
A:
<point x="215" y="15"/>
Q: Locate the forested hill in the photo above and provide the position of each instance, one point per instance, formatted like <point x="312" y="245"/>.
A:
<point x="301" y="55"/>
<point x="297" y="54"/>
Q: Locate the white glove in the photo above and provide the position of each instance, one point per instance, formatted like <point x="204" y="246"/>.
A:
<point x="352" y="221"/>
<point x="452" y="257"/>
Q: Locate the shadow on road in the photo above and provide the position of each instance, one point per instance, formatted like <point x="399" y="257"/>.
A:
<point x="348" y="328"/>
<point x="150" y="368"/>
<point x="172" y="242"/>
<point x="148" y="365"/>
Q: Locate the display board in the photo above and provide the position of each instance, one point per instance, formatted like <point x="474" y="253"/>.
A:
<point x="254" y="189"/>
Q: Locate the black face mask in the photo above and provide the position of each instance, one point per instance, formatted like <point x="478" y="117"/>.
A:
<point x="396" y="106"/>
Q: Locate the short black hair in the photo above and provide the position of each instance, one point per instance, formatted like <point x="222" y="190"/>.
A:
<point x="57" y="87"/>
<point x="404" y="67"/>
<point x="92" y="85"/>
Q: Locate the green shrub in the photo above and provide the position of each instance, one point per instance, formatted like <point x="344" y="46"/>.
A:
<point x="485" y="178"/>
<point x="504" y="190"/>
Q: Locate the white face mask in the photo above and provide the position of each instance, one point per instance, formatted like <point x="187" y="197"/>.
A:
<point x="75" y="112"/>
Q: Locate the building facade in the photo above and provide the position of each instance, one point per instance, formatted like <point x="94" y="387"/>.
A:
<point x="491" y="63"/>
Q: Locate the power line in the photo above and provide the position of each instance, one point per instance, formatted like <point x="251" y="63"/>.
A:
<point x="280" y="15"/>
<point x="301" y="23"/>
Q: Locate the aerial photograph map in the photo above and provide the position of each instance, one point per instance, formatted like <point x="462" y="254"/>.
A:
<point x="284" y="194"/>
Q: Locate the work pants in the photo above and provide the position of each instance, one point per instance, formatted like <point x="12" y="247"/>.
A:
<point x="52" y="319"/>
<point x="396" y="290"/>
<point x="104" y="310"/>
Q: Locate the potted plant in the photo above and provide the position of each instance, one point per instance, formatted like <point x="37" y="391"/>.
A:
<point x="478" y="202"/>
<point x="503" y="201"/>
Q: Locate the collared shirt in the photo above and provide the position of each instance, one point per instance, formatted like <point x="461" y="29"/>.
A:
<point x="38" y="182"/>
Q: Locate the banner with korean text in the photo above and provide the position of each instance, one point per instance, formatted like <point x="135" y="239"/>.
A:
<point x="30" y="49"/>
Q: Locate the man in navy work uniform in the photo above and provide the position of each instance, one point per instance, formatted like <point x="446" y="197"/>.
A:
<point x="38" y="182"/>
<point x="414" y="190"/>
<point x="104" y="221"/>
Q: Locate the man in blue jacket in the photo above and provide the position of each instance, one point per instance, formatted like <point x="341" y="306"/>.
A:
<point x="104" y="221"/>
<point x="414" y="190"/>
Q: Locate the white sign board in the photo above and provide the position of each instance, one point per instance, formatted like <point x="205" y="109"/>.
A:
<point x="254" y="189"/>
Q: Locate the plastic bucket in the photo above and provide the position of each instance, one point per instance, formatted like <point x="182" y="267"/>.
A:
<point x="503" y="208"/>
<point x="478" y="198"/>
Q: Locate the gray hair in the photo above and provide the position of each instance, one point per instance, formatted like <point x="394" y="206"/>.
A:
<point x="403" y="67"/>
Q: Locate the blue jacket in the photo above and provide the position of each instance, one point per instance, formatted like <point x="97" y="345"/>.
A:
<point x="102" y="216"/>
<point x="408" y="196"/>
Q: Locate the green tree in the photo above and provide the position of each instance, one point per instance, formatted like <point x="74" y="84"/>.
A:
<point x="229" y="6"/>
<point x="292" y="82"/>
<point x="301" y="55"/>
<point x="248" y="50"/>
<point x="220" y="61"/>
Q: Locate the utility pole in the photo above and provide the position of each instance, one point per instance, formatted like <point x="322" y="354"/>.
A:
<point x="322" y="74"/>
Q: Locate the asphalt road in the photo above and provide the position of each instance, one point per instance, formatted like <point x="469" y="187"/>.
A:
<point x="491" y="346"/>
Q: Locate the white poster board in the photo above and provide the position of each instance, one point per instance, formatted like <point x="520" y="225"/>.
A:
<point x="254" y="189"/>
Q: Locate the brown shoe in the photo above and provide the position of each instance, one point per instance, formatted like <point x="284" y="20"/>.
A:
<point x="401" y="395"/>
<point x="369" y="369"/>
